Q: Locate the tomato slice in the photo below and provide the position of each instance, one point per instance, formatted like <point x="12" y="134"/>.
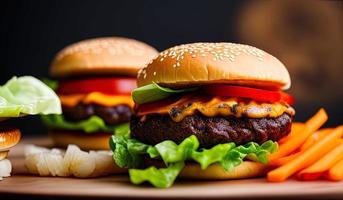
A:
<point x="247" y="92"/>
<point x="111" y="86"/>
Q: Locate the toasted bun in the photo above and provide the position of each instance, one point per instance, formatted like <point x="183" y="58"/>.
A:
<point x="86" y="141"/>
<point x="8" y="138"/>
<point x="207" y="63"/>
<point x="247" y="169"/>
<point x="110" y="55"/>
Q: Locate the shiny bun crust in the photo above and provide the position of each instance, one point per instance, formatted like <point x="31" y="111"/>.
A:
<point x="8" y="138"/>
<point x="207" y="63"/>
<point x="247" y="169"/>
<point x="95" y="141"/>
<point x="108" y="56"/>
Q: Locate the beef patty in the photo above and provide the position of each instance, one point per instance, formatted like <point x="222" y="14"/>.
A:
<point x="210" y="130"/>
<point x="111" y="115"/>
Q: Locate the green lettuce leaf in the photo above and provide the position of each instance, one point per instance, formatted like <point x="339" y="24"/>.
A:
<point x="122" y="129"/>
<point x="170" y="152"/>
<point x="262" y="151"/>
<point x="90" y="125"/>
<point x="130" y="152"/>
<point x="53" y="84"/>
<point x="161" y="178"/>
<point x="154" y="92"/>
<point x="27" y="95"/>
<point x="127" y="152"/>
<point x="206" y="157"/>
<point x="251" y="150"/>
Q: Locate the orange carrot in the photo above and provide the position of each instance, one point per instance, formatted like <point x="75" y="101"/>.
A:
<point x="308" y="143"/>
<point x="307" y="158"/>
<point x="283" y="160"/>
<point x="296" y="128"/>
<point x="313" y="124"/>
<point x="316" y="170"/>
<point x="320" y="134"/>
<point x="336" y="172"/>
<point x="284" y="139"/>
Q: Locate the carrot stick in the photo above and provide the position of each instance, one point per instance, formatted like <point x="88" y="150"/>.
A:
<point x="283" y="160"/>
<point x="336" y="172"/>
<point x="316" y="170"/>
<point x="294" y="143"/>
<point x="307" y="158"/>
<point x="320" y="134"/>
<point x="284" y="139"/>
<point x="296" y="128"/>
<point x="308" y="143"/>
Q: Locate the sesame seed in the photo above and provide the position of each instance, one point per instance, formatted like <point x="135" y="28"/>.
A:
<point x="113" y="45"/>
<point x="214" y="51"/>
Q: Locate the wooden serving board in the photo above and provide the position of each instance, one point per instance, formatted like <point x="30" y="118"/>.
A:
<point x="119" y="186"/>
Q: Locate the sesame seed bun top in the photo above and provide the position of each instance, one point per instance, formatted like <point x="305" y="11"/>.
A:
<point x="102" y="56"/>
<point x="207" y="63"/>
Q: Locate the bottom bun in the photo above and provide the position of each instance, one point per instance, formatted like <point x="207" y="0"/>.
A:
<point x="86" y="141"/>
<point x="246" y="169"/>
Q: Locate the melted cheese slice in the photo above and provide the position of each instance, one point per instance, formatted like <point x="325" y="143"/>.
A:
<point x="96" y="98"/>
<point x="219" y="106"/>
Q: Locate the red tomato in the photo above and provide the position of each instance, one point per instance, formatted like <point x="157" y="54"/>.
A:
<point x="250" y="93"/>
<point x="110" y="86"/>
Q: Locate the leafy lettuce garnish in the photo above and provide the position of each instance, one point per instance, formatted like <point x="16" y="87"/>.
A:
<point x="27" y="95"/>
<point x="129" y="153"/>
<point x="154" y="92"/>
<point x="161" y="178"/>
<point x="53" y="84"/>
<point x="90" y="125"/>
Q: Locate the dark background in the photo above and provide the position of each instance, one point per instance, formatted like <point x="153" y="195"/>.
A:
<point x="305" y="36"/>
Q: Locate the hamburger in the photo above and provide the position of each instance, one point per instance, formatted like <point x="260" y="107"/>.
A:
<point x="205" y="111"/>
<point x="18" y="97"/>
<point x="95" y="80"/>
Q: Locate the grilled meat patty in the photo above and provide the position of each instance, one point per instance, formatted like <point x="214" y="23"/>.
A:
<point x="111" y="115"/>
<point x="210" y="131"/>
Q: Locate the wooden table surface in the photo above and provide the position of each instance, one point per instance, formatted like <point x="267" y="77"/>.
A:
<point x="21" y="183"/>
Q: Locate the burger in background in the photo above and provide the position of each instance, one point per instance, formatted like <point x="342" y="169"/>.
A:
<point x="205" y="111"/>
<point x="96" y="77"/>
